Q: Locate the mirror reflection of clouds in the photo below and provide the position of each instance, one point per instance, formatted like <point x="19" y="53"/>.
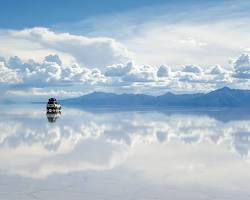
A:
<point x="30" y="146"/>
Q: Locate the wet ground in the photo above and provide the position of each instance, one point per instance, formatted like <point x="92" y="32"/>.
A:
<point x="124" y="154"/>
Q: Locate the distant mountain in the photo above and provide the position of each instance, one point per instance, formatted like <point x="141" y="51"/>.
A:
<point x="224" y="97"/>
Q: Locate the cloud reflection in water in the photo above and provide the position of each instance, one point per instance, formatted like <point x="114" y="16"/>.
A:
<point x="81" y="140"/>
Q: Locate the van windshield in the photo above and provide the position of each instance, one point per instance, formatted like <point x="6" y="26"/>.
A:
<point x="52" y="102"/>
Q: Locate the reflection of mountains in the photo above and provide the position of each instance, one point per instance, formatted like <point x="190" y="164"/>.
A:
<point x="219" y="114"/>
<point x="85" y="140"/>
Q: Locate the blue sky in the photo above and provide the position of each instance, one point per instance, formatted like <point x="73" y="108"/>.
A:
<point x="69" y="48"/>
<point x="29" y="13"/>
<point x="18" y="14"/>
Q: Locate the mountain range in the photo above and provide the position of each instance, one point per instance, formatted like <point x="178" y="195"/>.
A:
<point x="224" y="97"/>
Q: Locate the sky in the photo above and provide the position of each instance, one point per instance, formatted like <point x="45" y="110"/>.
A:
<point x="70" y="48"/>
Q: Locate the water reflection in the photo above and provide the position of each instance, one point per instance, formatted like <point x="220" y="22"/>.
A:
<point x="52" y="117"/>
<point x="167" y="147"/>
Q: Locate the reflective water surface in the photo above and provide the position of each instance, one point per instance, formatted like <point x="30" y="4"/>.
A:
<point x="124" y="154"/>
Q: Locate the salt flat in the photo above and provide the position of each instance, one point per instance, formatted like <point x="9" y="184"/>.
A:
<point x="105" y="154"/>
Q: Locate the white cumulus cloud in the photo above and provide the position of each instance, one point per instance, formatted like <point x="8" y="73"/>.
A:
<point x="8" y="76"/>
<point x="242" y="67"/>
<point x="163" y="71"/>
<point x="192" y="69"/>
<point x="119" y="70"/>
<point x="89" y="51"/>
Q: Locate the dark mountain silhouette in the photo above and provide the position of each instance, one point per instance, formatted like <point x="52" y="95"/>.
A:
<point x="224" y="97"/>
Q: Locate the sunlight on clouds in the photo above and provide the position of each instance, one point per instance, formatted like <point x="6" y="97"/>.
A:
<point x="100" y="62"/>
<point x="91" y="52"/>
<point x="32" y="78"/>
<point x="206" y="44"/>
<point x="8" y="76"/>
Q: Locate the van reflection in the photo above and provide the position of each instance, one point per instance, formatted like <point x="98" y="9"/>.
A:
<point x="52" y="117"/>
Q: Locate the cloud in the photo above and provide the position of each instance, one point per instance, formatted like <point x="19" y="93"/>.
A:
<point x="88" y="51"/>
<point x="164" y="71"/>
<point x="192" y="69"/>
<point x="15" y="62"/>
<point x="72" y="145"/>
<point x="143" y="73"/>
<point x="217" y="69"/>
<point x="50" y="72"/>
<point x="8" y="76"/>
<point x="102" y="63"/>
<point x="132" y="73"/>
<point x="53" y="58"/>
<point x="119" y="70"/>
<point x="31" y="76"/>
<point x="242" y="67"/>
<point x="177" y="37"/>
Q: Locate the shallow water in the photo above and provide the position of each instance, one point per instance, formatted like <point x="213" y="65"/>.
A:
<point x="119" y="154"/>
